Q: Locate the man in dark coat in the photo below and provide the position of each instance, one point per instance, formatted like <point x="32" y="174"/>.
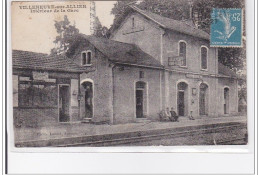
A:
<point x="174" y="116"/>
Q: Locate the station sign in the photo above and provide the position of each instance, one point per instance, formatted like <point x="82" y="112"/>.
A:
<point x="40" y="75"/>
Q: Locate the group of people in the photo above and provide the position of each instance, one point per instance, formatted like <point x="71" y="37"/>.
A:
<point x="169" y="115"/>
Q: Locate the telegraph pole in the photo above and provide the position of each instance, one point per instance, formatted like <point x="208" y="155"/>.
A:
<point x="92" y="17"/>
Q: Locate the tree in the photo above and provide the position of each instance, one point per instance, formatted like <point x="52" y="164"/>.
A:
<point x="174" y="9"/>
<point x="99" y="30"/>
<point x="65" y="35"/>
<point x="120" y="7"/>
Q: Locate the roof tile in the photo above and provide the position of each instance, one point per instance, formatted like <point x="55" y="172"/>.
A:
<point x="33" y="60"/>
<point x="122" y="52"/>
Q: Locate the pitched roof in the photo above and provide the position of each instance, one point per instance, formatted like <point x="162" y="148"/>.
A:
<point x="223" y="70"/>
<point x="170" y="24"/>
<point x="40" y="61"/>
<point x="124" y="53"/>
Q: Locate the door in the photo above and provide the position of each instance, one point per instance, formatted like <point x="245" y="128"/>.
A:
<point x="202" y="102"/>
<point x="88" y="100"/>
<point x="181" y="105"/>
<point x="226" y="101"/>
<point x="64" y="103"/>
<point x="139" y="103"/>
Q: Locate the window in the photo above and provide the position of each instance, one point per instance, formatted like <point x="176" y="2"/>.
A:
<point x="36" y="93"/>
<point x="133" y="22"/>
<point x="140" y="85"/>
<point x="89" y="58"/>
<point x="86" y="57"/>
<point x="204" y="58"/>
<point x="182" y="52"/>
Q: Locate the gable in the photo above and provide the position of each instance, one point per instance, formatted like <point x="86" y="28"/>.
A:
<point x="141" y="24"/>
<point x="163" y="22"/>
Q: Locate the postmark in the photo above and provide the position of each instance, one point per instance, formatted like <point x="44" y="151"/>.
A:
<point x="226" y="27"/>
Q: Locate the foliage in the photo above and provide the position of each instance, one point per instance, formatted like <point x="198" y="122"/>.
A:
<point x="120" y="7"/>
<point x="203" y="10"/>
<point x="99" y="30"/>
<point x="177" y="9"/>
<point x="65" y="31"/>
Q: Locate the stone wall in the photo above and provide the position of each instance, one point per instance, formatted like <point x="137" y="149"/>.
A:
<point x="193" y="56"/>
<point x="102" y="84"/>
<point x="233" y="95"/>
<point x="193" y="97"/>
<point x="145" y="34"/>
<point x="35" y="117"/>
<point x="124" y="82"/>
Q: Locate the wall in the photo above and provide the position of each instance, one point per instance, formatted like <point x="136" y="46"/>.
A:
<point x="102" y="88"/>
<point x="146" y="34"/>
<point x="193" y="46"/>
<point x="74" y="109"/>
<point x="124" y="93"/>
<point x="233" y="95"/>
<point x="15" y="90"/>
<point x="193" y="100"/>
<point x="35" y="117"/>
<point x="45" y="115"/>
<point x="161" y="45"/>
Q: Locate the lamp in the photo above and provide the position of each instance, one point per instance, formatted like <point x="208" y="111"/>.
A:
<point x="74" y="92"/>
<point x="79" y="97"/>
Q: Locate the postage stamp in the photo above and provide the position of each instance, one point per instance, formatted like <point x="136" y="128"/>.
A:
<point x="226" y="27"/>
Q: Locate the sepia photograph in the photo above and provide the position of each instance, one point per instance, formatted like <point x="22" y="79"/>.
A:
<point x="129" y="73"/>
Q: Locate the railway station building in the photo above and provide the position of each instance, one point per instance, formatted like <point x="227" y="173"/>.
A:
<point x="148" y="64"/>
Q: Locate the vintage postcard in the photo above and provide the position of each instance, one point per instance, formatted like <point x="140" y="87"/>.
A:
<point x="128" y="73"/>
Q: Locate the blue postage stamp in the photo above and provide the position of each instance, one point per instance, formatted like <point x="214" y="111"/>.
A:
<point x="226" y="27"/>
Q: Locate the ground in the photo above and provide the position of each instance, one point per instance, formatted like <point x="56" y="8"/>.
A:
<point x="234" y="137"/>
<point x="73" y="130"/>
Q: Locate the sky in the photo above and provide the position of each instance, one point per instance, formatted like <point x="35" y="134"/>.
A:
<point x="35" y="32"/>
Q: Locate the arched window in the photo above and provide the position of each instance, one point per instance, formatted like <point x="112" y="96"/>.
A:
<point x="182" y="52"/>
<point x="89" y="57"/>
<point x="86" y="57"/>
<point x="204" y="57"/>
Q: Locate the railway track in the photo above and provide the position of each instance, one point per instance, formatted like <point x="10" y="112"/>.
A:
<point x="236" y="141"/>
<point x="171" y="135"/>
<point x="134" y="137"/>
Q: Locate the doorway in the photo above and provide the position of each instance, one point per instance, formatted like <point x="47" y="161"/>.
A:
<point x="226" y="100"/>
<point x="203" y="99"/>
<point x="64" y="103"/>
<point x="88" y="99"/>
<point x="182" y="99"/>
<point x="141" y="99"/>
<point x="181" y="104"/>
<point x="139" y="103"/>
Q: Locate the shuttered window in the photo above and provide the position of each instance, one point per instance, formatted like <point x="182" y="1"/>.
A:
<point x="204" y="58"/>
<point x="182" y="52"/>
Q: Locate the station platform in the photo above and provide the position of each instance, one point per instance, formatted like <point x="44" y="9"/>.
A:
<point x="65" y="131"/>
